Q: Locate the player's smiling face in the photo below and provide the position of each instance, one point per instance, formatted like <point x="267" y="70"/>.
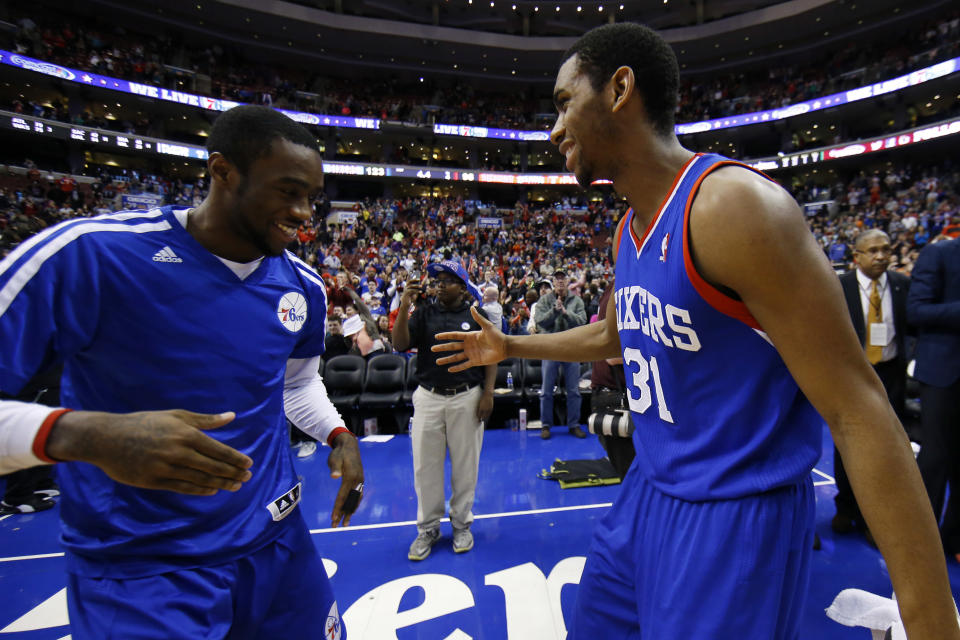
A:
<point x="580" y="126"/>
<point x="276" y="195"/>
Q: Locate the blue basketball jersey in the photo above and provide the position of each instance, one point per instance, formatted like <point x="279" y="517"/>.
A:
<point x="716" y="412"/>
<point x="144" y="318"/>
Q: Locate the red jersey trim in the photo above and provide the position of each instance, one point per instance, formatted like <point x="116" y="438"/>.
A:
<point x="618" y="235"/>
<point x="40" y="440"/>
<point x="638" y="243"/>
<point x="717" y="299"/>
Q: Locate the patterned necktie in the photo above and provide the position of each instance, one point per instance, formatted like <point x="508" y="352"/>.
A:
<point x="874" y="316"/>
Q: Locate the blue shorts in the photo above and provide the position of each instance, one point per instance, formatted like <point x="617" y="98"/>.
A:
<point x="661" y="568"/>
<point x="279" y="591"/>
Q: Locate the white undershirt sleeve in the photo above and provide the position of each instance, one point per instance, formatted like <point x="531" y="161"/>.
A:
<point x="19" y="424"/>
<point x="305" y="399"/>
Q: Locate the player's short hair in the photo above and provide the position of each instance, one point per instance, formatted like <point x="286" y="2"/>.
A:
<point x="247" y="132"/>
<point x="603" y="50"/>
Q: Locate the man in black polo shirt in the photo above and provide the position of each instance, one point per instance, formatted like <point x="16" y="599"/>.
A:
<point x="448" y="408"/>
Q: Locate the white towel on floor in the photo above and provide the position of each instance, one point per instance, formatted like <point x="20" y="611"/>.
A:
<point x="858" y="608"/>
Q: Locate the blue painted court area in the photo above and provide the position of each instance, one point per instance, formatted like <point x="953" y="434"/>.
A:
<point x="518" y="582"/>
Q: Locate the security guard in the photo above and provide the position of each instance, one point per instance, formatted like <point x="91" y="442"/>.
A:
<point x="448" y="408"/>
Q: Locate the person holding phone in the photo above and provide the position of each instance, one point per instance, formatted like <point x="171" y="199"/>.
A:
<point x="449" y="410"/>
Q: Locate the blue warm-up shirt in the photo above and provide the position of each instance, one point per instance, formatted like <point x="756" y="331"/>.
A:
<point x="145" y="318"/>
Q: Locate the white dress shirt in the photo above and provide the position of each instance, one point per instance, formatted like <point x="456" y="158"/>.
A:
<point x="886" y="308"/>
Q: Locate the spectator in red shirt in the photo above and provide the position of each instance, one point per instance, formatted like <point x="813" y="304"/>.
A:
<point x="338" y="292"/>
<point x="306" y="234"/>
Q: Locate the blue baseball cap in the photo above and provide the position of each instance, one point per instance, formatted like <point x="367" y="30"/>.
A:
<point x="455" y="268"/>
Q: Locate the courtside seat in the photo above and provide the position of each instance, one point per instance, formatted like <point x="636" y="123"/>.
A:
<point x="532" y="379"/>
<point x="586" y="376"/>
<point x="384" y="383"/>
<point x="343" y="378"/>
<point x="501" y="394"/>
<point x="411" y="381"/>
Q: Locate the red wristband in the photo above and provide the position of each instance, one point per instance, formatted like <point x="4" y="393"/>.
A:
<point x="40" y="440"/>
<point x="336" y="432"/>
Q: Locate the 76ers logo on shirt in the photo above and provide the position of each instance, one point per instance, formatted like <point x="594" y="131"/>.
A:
<point x="292" y="311"/>
<point x="332" y="628"/>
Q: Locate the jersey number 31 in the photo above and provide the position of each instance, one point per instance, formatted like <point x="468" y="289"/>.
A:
<point x="639" y="381"/>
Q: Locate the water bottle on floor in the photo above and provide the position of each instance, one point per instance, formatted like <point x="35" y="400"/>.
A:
<point x="523" y="419"/>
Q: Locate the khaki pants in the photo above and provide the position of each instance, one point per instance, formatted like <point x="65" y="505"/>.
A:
<point x="439" y="423"/>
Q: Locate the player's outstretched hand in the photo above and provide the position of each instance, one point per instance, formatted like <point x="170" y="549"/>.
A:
<point x="152" y="449"/>
<point x="344" y="462"/>
<point x="472" y="348"/>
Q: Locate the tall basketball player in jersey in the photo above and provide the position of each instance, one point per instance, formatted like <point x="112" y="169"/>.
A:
<point x="734" y="337"/>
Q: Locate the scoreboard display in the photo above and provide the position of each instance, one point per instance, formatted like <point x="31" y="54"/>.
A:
<point x="33" y="126"/>
<point x="65" y="131"/>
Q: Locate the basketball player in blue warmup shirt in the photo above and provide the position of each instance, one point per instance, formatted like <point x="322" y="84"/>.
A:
<point x="170" y="322"/>
<point x="734" y="335"/>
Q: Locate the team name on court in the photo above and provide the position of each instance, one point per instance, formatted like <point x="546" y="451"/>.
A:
<point x="637" y="308"/>
<point x="530" y="597"/>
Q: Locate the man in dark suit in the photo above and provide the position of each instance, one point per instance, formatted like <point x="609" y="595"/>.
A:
<point x="934" y="309"/>
<point x="877" y="300"/>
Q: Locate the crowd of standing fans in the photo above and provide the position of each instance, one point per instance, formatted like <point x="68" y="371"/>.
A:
<point x="390" y="238"/>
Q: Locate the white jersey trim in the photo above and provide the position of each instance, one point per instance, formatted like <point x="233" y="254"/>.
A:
<point x="763" y="334"/>
<point x="307" y="271"/>
<point x="312" y="277"/>
<point x="28" y="244"/>
<point x="30" y="268"/>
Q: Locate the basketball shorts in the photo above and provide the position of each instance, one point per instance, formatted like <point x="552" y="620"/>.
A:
<point x="661" y="568"/>
<point x="279" y="591"/>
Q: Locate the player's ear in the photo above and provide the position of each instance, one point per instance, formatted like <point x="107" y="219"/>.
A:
<point x="220" y="168"/>
<point x="622" y="83"/>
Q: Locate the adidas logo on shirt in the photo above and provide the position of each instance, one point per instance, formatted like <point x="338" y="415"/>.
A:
<point x="166" y="255"/>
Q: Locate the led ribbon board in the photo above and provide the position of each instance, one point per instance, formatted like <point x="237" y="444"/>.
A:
<point x="64" y="131"/>
<point x="920" y="76"/>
